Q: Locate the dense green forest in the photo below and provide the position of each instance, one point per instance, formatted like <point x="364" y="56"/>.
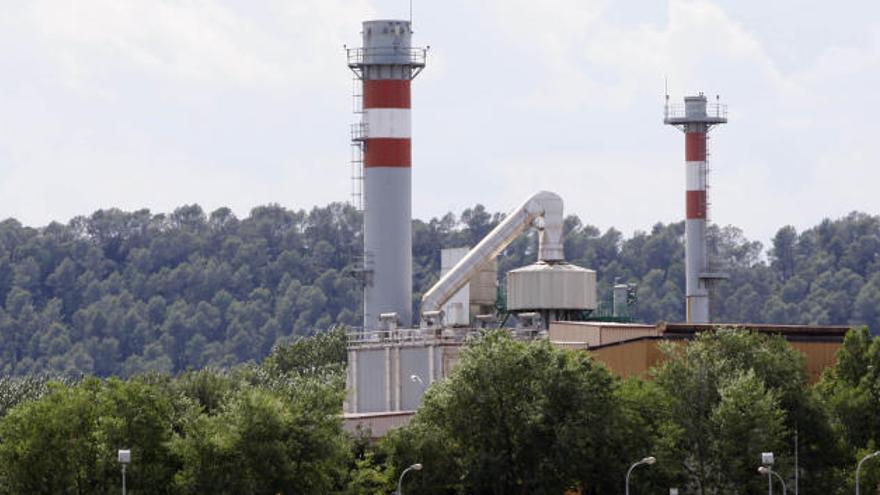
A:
<point x="119" y="293"/>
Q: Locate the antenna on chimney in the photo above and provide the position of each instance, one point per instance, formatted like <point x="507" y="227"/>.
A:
<point x="666" y="92"/>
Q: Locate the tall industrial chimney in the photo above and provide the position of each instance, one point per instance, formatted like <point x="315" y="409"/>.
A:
<point x="695" y="118"/>
<point x="385" y="66"/>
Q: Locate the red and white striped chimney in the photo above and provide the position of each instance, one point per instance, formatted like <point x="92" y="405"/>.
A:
<point x="386" y="66"/>
<point x="695" y="119"/>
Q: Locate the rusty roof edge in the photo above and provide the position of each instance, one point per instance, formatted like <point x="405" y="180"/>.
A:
<point x="672" y="336"/>
<point x="840" y="330"/>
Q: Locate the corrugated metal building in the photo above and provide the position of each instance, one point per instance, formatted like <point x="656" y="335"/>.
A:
<point x="626" y="348"/>
<point x="633" y="349"/>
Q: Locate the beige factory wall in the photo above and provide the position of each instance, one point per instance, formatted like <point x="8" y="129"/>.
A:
<point x="630" y="358"/>
<point x="819" y="356"/>
<point x="596" y="333"/>
<point x="638" y="357"/>
<point x="378" y="424"/>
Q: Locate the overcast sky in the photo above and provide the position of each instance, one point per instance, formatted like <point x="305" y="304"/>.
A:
<point x="159" y="103"/>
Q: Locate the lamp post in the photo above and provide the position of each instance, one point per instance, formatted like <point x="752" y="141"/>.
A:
<point x="767" y="461"/>
<point x="647" y="460"/>
<point x="124" y="458"/>
<point x="418" y="379"/>
<point x="414" y="467"/>
<point x="769" y="472"/>
<point x="859" y="467"/>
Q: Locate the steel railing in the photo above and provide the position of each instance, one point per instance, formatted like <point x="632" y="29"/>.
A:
<point x="358" y="57"/>
<point x="678" y="111"/>
<point x="431" y="335"/>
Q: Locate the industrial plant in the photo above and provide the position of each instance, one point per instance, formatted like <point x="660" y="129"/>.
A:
<point x="394" y="357"/>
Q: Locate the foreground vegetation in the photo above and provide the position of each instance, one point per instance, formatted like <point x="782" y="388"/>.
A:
<point x="272" y="428"/>
<point x="514" y="417"/>
<point x="528" y="418"/>
<point x="124" y="293"/>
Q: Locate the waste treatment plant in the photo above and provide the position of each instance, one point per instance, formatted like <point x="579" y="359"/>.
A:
<point x="392" y="359"/>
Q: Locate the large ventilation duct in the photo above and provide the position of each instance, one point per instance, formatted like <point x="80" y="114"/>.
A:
<point x="543" y="210"/>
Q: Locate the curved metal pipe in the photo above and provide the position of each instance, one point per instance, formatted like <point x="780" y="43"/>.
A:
<point x="544" y="206"/>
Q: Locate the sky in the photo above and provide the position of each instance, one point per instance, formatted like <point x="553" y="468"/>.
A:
<point x="159" y="103"/>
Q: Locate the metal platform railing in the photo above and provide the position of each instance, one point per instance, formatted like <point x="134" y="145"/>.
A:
<point x="400" y="336"/>
<point x="358" y="57"/>
<point x="677" y="111"/>
<point x="421" y="336"/>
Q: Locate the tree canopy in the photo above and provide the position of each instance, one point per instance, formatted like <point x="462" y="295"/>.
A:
<point x="731" y="395"/>
<point x="120" y="293"/>
<point x="251" y="429"/>
<point x="514" y="417"/>
<point x="518" y="417"/>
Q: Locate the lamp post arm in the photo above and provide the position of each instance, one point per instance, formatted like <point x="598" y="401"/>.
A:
<point x="859" y="468"/>
<point x="400" y="481"/>
<point x="784" y="489"/>
<point x="629" y="472"/>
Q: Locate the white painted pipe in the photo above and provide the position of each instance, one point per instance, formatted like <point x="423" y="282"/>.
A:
<point x="544" y="206"/>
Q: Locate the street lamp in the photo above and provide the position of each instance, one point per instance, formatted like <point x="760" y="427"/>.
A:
<point x="859" y="467"/>
<point x="647" y="460"/>
<point x="769" y="472"/>
<point x="414" y="467"/>
<point x="767" y="461"/>
<point x="417" y="379"/>
<point x="124" y="458"/>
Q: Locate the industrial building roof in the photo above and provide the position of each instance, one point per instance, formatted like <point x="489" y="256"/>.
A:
<point x="788" y="331"/>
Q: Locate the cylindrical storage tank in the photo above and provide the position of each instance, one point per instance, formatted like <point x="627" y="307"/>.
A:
<point x="557" y="286"/>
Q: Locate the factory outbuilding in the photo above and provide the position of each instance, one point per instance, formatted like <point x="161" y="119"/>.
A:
<point x="633" y="349"/>
<point x="627" y="349"/>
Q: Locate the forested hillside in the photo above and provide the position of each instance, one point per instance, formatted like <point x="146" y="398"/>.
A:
<point x="125" y="292"/>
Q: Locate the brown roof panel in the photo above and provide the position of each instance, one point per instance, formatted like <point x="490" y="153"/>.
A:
<point x="828" y="331"/>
